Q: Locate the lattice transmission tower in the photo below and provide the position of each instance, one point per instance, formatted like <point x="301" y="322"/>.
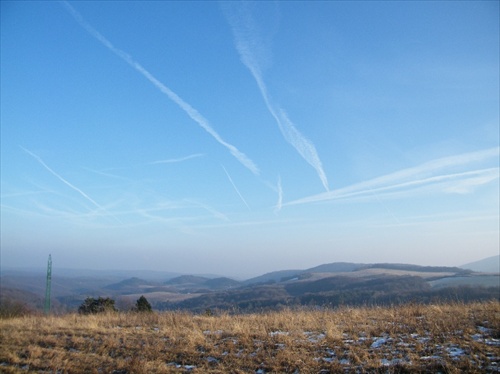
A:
<point x="48" y="285"/>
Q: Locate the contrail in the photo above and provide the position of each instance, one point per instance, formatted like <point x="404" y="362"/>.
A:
<point x="109" y="175"/>
<point x="174" y="160"/>
<point x="62" y="179"/>
<point x="190" y="111"/>
<point x="279" y="204"/>
<point x="467" y="179"/>
<point x="417" y="177"/>
<point x="235" y="188"/>
<point x="386" y="208"/>
<point x="208" y="208"/>
<point x="246" y="44"/>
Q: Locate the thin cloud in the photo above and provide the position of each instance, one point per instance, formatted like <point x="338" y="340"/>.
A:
<point x="190" y="111"/>
<point x="62" y="179"/>
<point x="209" y="209"/>
<point x="235" y="188"/>
<point x="250" y="50"/>
<point x="424" y="177"/>
<point x="389" y="212"/>
<point x="109" y="175"/>
<point x="432" y="220"/>
<point x="23" y="193"/>
<point x="279" y="204"/>
<point x="448" y="183"/>
<point x="175" y="160"/>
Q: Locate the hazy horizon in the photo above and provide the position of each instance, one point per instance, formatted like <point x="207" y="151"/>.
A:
<point x="226" y="137"/>
<point x="238" y="275"/>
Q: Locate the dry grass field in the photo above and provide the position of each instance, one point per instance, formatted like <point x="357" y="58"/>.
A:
<point x="446" y="338"/>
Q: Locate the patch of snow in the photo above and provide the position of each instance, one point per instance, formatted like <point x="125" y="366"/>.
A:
<point x="317" y="338"/>
<point x="275" y="333"/>
<point x="484" y="330"/>
<point x="331" y="352"/>
<point x="477" y="337"/>
<point x="455" y="351"/>
<point x="379" y="342"/>
<point x="314" y="337"/>
<point x="493" y="368"/>
<point x="492" y="342"/>
<point x="178" y="366"/>
<point x="216" y="332"/>
<point x="385" y="362"/>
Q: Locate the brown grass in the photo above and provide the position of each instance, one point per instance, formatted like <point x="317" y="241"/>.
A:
<point x="445" y="338"/>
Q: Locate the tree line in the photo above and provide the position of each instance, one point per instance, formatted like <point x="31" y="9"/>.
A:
<point x="102" y="305"/>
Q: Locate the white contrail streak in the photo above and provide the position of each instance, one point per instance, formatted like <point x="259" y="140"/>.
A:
<point x="235" y="188"/>
<point x="246" y="44"/>
<point x="418" y="177"/>
<point x="386" y="208"/>
<point x="279" y="204"/>
<point x="208" y="208"/>
<point x="464" y="180"/>
<point x="190" y="111"/>
<point x="174" y="160"/>
<point x="62" y="179"/>
<point x="109" y="175"/>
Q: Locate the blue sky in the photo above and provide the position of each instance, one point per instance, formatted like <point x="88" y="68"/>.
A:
<point x="239" y="138"/>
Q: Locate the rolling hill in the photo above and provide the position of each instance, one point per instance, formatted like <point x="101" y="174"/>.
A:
<point x="327" y="284"/>
<point x="486" y="265"/>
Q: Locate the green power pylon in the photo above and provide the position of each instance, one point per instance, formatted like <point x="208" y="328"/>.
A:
<point x="48" y="285"/>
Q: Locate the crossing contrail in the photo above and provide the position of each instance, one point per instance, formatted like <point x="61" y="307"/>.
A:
<point x="186" y="107"/>
<point x="251" y="51"/>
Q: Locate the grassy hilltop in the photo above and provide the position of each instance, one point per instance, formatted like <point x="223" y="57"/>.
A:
<point x="407" y="338"/>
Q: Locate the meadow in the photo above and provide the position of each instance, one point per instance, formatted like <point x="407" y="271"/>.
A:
<point x="412" y="338"/>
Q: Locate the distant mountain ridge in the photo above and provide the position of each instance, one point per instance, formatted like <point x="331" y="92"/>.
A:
<point x="486" y="265"/>
<point x="196" y="283"/>
<point x="130" y="282"/>
<point x="186" y="279"/>
<point x="348" y="267"/>
<point x="338" y="283"/>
